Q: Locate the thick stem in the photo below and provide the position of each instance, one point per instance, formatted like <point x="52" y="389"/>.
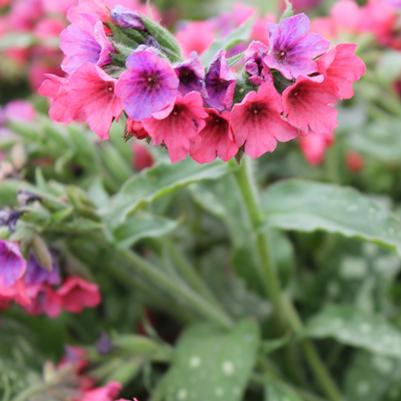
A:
<point x="183" y="292"/>
<point x="282" y="305"/>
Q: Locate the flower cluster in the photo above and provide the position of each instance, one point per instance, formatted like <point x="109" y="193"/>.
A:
<point x="74" y="382"/>
<point x="247" y="99"/>
<point x="39" y="289"/>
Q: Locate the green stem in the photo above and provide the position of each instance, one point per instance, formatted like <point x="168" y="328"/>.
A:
<point x="183" y="292"/>
<point x="282" y="305"/>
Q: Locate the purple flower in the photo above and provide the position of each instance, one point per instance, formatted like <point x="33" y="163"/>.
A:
<point x="220" y="83"/>
<point x="12" y="263"/>
<point x="191" y="75"/>
<point x="36" y="274"/>
<point x="126" y="18"/>
<point x="9" y="218"/>
<point x="84" y="43"/>
<point x="293" y="48"/>
<point x="149" y="85"/>
<point x="254" y="63"/>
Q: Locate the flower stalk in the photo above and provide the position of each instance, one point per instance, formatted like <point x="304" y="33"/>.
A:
<point x="283" y="306"/>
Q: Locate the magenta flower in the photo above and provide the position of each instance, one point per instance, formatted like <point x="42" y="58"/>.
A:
<point x="178" y="125"/>
<point x="292" y="48"/>
<point x="257" y="70"/>
<point x="76" y="294"/>
<point x="191" y="75"/>
<point x="85" y="43"/>
<point x="216" y="139"/>
<point x="220" y="83"/>
<point x="126" y="18"/>
<point x="36" y="274"/>
<point x="310" y="106"/>
<point x="342" y="68"/>
<point x="92" y="92"/>
<point x="257" y="122"/>
<point x="148" y="86"/>
<point x="12" y="263"/>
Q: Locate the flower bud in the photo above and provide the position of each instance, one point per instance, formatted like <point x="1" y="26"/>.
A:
<point x="126" y="18"/>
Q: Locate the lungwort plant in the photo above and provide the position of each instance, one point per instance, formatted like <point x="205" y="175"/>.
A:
<point x="180" y="254"/>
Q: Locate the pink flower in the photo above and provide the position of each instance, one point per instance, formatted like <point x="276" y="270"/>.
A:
<point x="12" y="264"/>
<point x="142" y="157"/>
<point x="196" y="36"/>
<point x="61" y="108"/>
<point x="85" y="43"/>
<point x="342" y="68"/>
<point x="257" y="122"/>
<point x="216" y="139"/>
<point x="46" y="301"/>
<point x="92" y="92"/>
<point x="314" y="146"/>
<point x="148" y="86"/>
<point x="106" y="393"/>
<point x="20" y="110"/>
<point x="309" y="106"/>
<point x="77" y="294"/>
<point x="177" y="126"/>
<point x="257" y="70"/>
<point x="135" y="128"/>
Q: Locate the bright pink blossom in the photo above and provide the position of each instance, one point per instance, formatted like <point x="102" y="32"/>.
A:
<point x="257" y="122"/>
<point x="106" y="393"/>
<point x="92" y="92"/>
<point x="342" y="68"/>
<point x="196" y="36"/>
<point x="178" y="125"/>
<point x="314" y="146"/>
<point x="77" y="294"/>
<point x="216" y="139"/>
<point x="310" y="106"/>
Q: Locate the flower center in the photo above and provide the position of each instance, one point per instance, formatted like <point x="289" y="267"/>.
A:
<point x="152" y="80"/>
<point x="256" y="109"/>
<point x="281" y="55"/>
<point x="110" y="88"/>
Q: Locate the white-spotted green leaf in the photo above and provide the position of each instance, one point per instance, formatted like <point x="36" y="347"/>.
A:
<point x="212" y="365"/>
<point x="277" y="391"/>
<point x="309" y="206"/>
<point x="370" y="377"/>
<point x="357" y="328"/>
<point x="158" y="181"/>
<point x="140" y="226"/>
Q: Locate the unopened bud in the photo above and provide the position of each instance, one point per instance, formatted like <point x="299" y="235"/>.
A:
<point x="42" y="253"/>
<point x="18" y="156"/>
<point x="126" y="18"/>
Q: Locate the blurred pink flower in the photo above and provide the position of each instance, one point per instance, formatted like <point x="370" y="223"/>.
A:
<point x="196" y="36"/>
<point x="76" y="294"/>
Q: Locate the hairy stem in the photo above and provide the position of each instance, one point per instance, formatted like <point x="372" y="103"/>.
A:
<point x="282" y="305"/>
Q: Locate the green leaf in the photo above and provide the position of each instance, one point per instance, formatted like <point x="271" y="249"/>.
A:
<point x="277" y="391"/>
<point x="142" y="225"/>
<point x="158" y="181"/>
<point x="16" y="40"/>
<point x="357" y="328"/>
<point x="227" y="42"/>
<point x="212" y="365"/>
<point x="308" y="206"/>
<point x="371" y="376"/>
